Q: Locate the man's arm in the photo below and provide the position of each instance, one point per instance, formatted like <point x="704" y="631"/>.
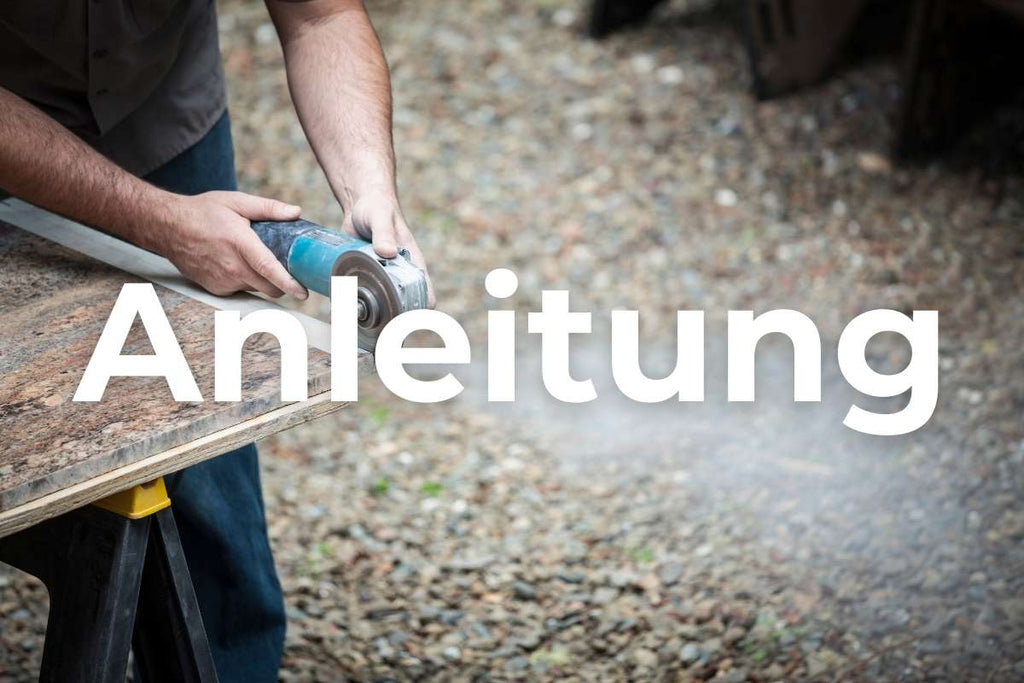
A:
<point x="340" y="85"/>
<point x="207" y="236"/>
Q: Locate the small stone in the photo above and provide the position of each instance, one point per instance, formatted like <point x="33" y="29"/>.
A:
<point x="643" y="63"/>
<point x="524" y="591"/>
<point x="816" y="665"/>
<point x="571" y="577"/>
<point x="669" y="651"/>
<point x="671" y="573"/>
<point x="688" y="631"/>
<point x="604" y="595"/>
<point x="711" y="646"/>
<point x="384" y="649"/>
<point x="518" y="664"/>
<point x="450" y="617"/>
<point x="564" y="17"/>
<point x="670" y="75"/>
<point x="470" y="564"/>
<point x="531" y="641"/>
<point x="645" y="658"/>
<point x="874" y="163"/>
<point x="690" y="653"/>
<point x="705" y="609"/>
<point x="265" y="33"/>
<point x="452" y="653"/>
<point x="733" y="635"/>
<point x="582" y="131"/>
<point x="622" y="579"/>
<point x="734" y="676"/>
<point x="726" y="198"/>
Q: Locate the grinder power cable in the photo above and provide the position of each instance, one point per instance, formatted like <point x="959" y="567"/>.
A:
<point x="313" y="254"/>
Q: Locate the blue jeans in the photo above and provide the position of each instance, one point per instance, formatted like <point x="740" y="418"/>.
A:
<point x="218" y="504"/>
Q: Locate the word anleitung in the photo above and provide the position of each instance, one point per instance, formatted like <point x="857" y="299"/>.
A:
<point x="554" y="323"/>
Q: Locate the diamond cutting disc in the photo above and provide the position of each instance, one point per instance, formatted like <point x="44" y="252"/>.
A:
<point x="378" y="297"/>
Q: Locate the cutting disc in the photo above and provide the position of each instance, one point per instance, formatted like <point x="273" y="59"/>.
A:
<point x="386" y="289"/>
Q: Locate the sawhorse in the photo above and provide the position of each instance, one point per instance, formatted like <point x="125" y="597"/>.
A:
<point x="117" y="581"/>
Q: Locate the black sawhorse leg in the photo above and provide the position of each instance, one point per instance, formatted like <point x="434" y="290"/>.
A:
<point x="117" y="581"/>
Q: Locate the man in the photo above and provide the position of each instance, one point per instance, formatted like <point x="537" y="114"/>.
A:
<point x="112" y="112"/>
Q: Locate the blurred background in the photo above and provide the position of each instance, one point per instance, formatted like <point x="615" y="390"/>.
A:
<point x="826" y="157"/>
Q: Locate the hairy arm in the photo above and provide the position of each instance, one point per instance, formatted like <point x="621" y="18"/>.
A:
<point x="42" y="162"/>
<point x="207" y="237"/>
<point x="340" y="85"/>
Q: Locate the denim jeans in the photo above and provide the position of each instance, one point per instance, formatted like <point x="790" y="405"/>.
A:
<point x="218" y="504"/>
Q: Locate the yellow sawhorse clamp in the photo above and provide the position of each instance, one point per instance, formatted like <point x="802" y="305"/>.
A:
<point x="138" y="501"/>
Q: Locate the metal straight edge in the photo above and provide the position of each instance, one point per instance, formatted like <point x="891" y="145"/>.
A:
<point x="144" y="264"/>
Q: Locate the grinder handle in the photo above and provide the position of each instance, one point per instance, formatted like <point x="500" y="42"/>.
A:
<point x="280" y="235"/>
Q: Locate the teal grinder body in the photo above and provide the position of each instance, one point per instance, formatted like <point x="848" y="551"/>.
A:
<point x="313" y="254"/>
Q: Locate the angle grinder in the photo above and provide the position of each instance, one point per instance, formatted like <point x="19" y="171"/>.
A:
<point x="314" y="254"/>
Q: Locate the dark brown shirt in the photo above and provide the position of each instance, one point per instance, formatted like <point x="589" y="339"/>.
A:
<point x="139" y="80"/>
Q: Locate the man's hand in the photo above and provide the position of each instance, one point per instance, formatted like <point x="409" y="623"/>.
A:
<point x="378" y="218"/>
<point x="211" y="242"/>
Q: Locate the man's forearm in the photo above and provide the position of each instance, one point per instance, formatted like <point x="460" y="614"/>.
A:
<point x="207" y="236"/>
<point x="342" y="92"/>
<point x="340" y="85"/>
<point x="43" y="163"/>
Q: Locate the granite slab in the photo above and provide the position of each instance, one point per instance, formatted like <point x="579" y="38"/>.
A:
<point x="54" y="303"/>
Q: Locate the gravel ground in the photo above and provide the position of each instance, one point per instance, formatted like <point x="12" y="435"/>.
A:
<point x="618" y="541"/>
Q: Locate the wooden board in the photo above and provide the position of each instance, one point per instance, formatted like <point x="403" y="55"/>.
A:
<point x="53" y="305"/>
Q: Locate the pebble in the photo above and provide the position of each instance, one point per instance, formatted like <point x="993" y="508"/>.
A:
<point x="575" y="578"/>
<point x="645" y="658"/>
<point x="524" y="591"/>
<point x="733" y="635"/>
<point x="643" y="63"/>
<point x="604" y="595"/>
<point x="726" y="197"/>
<point x="531" y="641"/>
<point x="690" y="653"/>
<point x="873" y="163"/>
<point x="671" y="573"/>
<point x="265" y="33"/>
<point x="518" y="664"/>
<point x="564" y="17"/>
<point x="670" y="75"/>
